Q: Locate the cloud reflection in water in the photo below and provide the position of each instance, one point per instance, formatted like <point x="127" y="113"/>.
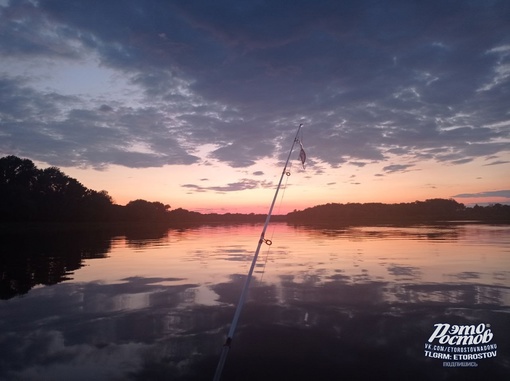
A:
<point x="326" y="307"/>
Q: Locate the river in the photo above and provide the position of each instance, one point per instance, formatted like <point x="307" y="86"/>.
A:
<point x="337" y="303"/>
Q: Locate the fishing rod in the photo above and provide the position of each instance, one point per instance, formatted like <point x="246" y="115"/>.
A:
<point x="244" y="292"/>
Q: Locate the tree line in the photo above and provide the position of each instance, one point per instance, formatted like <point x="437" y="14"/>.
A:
<point x="29" y="194"/>
<point x="432" y="210"/>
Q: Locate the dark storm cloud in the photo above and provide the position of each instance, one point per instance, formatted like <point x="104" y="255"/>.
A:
<point x="428" y="80"/>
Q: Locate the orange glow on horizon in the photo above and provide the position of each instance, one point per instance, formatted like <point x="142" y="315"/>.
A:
<point x="213" y="254"/>
<point x="251" y="190"/>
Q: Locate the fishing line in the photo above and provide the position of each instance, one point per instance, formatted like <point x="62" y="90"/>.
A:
<point x="288" y="173"/>
<point x="265" y="263"/>
<point x="262" y="239"/>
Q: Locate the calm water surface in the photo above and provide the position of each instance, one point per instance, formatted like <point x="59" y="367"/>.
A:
<point x="356" y="303"/>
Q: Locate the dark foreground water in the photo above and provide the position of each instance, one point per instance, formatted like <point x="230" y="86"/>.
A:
<point x="365" y="303"/>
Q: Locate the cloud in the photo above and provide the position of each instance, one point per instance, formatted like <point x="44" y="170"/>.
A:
<point x="497" y="162"/>
<point x="425" y="80"/>
<point x="243" y="154"/>
<point x="358" y="164"/>
<point x="76" y="136"/>
<point x="397" y="168"/>
<point x="105" y="108"/>
<point x="243" y="184"/>
<point x="501" y="193"/>
<point x="462" y="161"/>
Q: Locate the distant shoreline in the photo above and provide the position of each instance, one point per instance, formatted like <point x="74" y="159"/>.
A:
<point x="121" y="228"/>
<point x="29" y="195"/>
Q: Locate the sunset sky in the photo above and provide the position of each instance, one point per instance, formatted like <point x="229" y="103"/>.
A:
<point x="196" y="103"/>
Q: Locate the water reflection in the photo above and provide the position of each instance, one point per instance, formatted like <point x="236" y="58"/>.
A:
<point x="323" y="306"/>
<point x="45" y="257"/>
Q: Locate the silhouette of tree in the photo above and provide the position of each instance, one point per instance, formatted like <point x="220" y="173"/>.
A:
<point x="139" y="210"/>
<point x="18" y="178"/>
<point x="355" y="213"/>
<point x="48" y="257"/>
<point x="31" y="194"/>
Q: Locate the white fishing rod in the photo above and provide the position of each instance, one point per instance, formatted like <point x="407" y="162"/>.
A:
<point x="244" y="292"/>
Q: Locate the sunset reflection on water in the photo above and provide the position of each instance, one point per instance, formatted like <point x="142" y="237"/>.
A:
<point x="394" y="255"/>
<point x="324" y="303"/>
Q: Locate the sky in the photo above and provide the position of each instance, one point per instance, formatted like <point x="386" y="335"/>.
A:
<point x="196" y="103"/>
